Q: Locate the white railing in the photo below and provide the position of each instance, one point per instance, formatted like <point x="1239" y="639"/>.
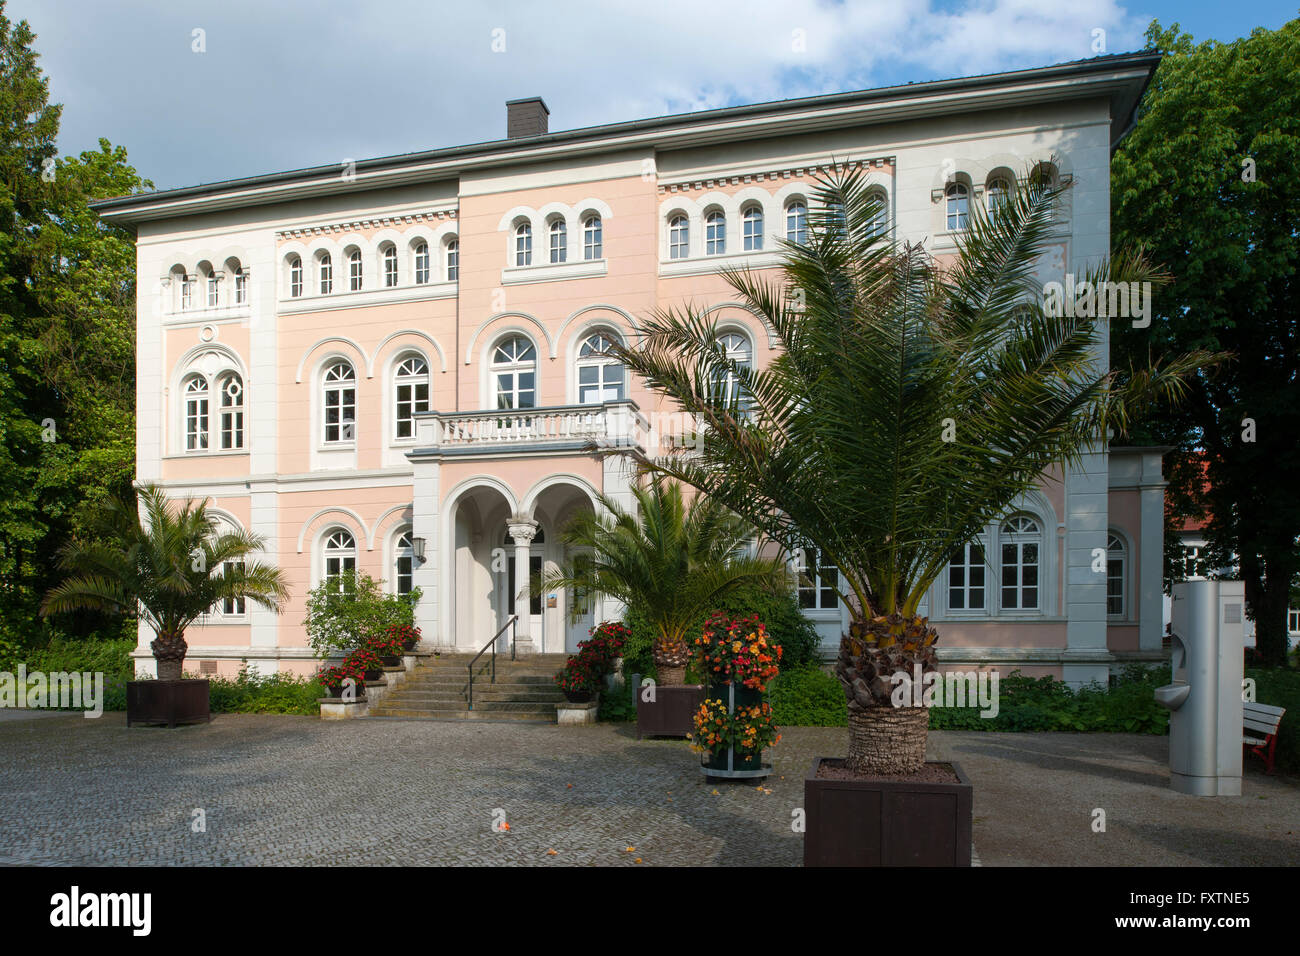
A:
<point x="608" y="423"/>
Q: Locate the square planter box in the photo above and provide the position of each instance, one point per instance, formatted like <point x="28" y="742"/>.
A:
<point x="673" y="712"/>
<point x="169" y="702"/>
<point x="886" y="822"/>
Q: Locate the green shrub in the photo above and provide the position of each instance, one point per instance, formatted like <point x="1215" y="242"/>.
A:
<point x="343" y="611"/>
<point x="1281" y="688"/>
<point x="252" y="693"/>
<point x="807" y="696"/>
<point x="618" y="706"/>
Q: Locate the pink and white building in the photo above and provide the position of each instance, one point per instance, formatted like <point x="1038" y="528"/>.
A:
<point x="397" y="365"/>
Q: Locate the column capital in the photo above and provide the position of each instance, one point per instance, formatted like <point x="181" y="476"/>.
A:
<point x="521" y="529"/>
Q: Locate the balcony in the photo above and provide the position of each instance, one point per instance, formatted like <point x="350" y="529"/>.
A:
<point x="548" y="430"/>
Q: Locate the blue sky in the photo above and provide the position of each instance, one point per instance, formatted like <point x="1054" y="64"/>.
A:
<point x="286" y="84"/>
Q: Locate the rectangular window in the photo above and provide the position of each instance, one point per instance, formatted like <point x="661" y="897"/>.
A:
<point x="817" y="582"/>
<point x="421" y="264"/>
<point x="1115" y="587"/>
<point x="411" y="398"/>
<point x="232" y="606"/>
<point x="390" y="268"/>
<point x="404" y="577"/>
<point x="212" y="292"/>
<point x="232" y="429"/>
<point x="966" y="579"/>
<point x="187" y="294"/>
<point x="340" y="414"/>
<point x="591" y="240"/>
<point x="196" y="424"/>
<point x="453" y="261"/>
<point x="1019" y="576"/>
<point x="241" y="288"/>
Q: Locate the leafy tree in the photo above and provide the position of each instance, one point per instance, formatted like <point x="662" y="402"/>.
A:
<point x="1210" y="180"/>
<point x="343" y="610"/>
<point x="846" y="442"/>
<point x="671" y="560"/>
<point x="67" y="330"/>
<point x="170" y="565"/>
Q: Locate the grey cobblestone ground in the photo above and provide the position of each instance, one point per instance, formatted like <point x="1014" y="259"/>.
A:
<point x="296" y="790"/>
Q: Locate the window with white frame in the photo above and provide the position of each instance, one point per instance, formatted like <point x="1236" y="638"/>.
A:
<point x="354" y="270"/>
<point x="592" y="243"/>
<point x="241" y="287"/>
<point x="196" y="413"/>
<point x="715" y="233"/>
<point x="187" y="292"/>
<point x="679" y="237"/>
<point x="339" y="555"/>
<point x="818" y="581"/>
<point x="997" y="196"/>
<point x="966" y="578"/>
<point x="213" y="285"/>
<point x="295" y="276"/>
<point x="727" y="385"/>
<point x="403" y="563"/>
<point x="796" y="222"/>
<point x="230" y="390"/>
<point x="958" y="206"/>
<point x="514" y="373"/>
<point x="1116" y="564"/>
<point x="421" y="263"/>
<point x="878" y="225"/>
<point x="326" y="270"/>
<point x="390" y="266"/>
<point x="233" y="606"/>
<point x="559" y="241"/>
<point x="1293" y="622"/>
<point x="600" y="376"/>
<point x="453" y="260"/>
<point x="523" y="244"/>
<point x="410" y="394"/>
<point x="752" y="227"/>
<point x="340" y="403"/>
<point x="1020" y="541"/>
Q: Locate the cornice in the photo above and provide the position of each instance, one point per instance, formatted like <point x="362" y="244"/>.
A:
<point x="771" y="175"/>
<point x="373" y="222"/>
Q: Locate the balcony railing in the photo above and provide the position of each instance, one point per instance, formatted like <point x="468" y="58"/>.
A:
<point x="610" y="423"/>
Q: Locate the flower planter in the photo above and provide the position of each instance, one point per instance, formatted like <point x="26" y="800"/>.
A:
<point x="391" y="660"/>
<point x="886" y="822"/>
<point x="671" y="714"/>
<point x="571" y="713"/>
<point x="578" y="697"/>
<point x="375" y="674"/>
<point x="730" y="762"/>
<point x="169" y="702"/>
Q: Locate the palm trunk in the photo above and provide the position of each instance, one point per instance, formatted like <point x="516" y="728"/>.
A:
<point x="169" y="651"/>
<point x="887" y="740"/>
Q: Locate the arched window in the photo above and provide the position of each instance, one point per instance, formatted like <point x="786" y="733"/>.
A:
<point x="523" y="244"/>
<point x="295" y="276"/>
<point x="966" y="578"/>
<point x="410" y="394"/>
<point x="1116" y="577"/>
<point x="817" y="581"/>
<point x="752" y="223"/>
<point x="592" y="243"/>
<point x="453" y="260"/>
<point x="326" y="266"/>
<point x="230" y="388"/>
<point x="958" y="206"/>
<point x="187" y="291"/>
<point x="241" y="287"/>
<point x="340" y="403"/>
<point x="196" y="413"/>
<point x="390" y="266"/>
<point x="339" y="555"/>
<point x="514" y="373"/>
<point x="354" y="270"/>
<point x="214" y="284"/>
<point x="878" y="225"/>
<point x="403" y="562"/>
<point x="796" y="222"/>
<point x="999" y="192"/>
<point x="600" y="376"/>
<point x="559" y="235"/>
<point x="727" y="386"/>
<point x="421" y="263"/>
<point x="715" y="233"/>
<point x="679" y="236"/>
<point x="1020" y="541"/>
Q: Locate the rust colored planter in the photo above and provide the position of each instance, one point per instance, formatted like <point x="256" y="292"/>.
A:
<point x="886" y="822"/>
<point x="673" y="712"/>
<point x="169" y="702"/>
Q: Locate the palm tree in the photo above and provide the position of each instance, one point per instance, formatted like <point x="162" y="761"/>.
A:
<point x="672" y="560"/>
<point x="910" y="404"/>
<point x="169" y="565"/>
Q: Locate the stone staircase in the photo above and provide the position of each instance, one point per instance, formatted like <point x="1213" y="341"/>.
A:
<point x="437" y="689"/>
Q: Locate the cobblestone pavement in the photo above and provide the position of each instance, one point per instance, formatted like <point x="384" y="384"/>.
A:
<point x="297" y="790"/>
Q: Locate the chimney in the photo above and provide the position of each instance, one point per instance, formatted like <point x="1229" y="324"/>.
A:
<point x="526" y="117"/>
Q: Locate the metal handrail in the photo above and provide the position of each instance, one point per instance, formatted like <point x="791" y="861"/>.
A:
<point x="492" y="644"/>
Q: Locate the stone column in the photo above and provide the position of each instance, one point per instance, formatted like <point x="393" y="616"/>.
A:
<point x="523" y="530"/>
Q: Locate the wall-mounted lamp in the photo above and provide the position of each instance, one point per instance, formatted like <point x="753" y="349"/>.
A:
<point x="417" y="549"/>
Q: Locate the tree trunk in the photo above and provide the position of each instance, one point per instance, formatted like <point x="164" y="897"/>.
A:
<point x="1268" y="593"/>
<point x="887" y="740"/>
<point x="169" y="651"/>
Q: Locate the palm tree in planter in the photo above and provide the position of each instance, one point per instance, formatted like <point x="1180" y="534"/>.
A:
<point x="167" y="564"/>
<point x="911" y="402"/>
<point x="671" y="559"/>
